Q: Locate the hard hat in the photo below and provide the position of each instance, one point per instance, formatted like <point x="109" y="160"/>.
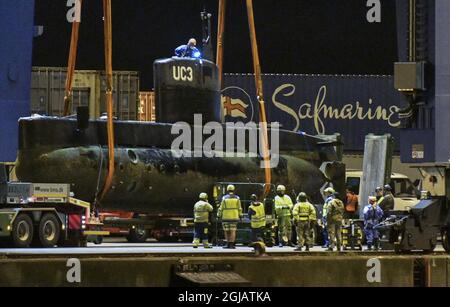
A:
<point x="203" y="196"/>
<point x="378" y="189"/>
<point x="230" y="188"/>
<point x="281" y="188"/>
<point x="330" y="190"/>
<point x="302" y="196"/>
<point x="192" y="42"/>
<point x="387" y="187"/>
<point x="254" y="197"/>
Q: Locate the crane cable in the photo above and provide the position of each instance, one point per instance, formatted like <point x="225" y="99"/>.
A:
<point x="71" y="62"/>
<point x="260" y="97"/>
<point x="109" y="99"/>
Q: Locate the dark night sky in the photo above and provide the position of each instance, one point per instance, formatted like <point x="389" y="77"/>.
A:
<point x="294" y="36"/>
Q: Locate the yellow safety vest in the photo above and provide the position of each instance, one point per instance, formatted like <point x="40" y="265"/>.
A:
<point x="201" y="211"/>
<point x="230" y="209"/>
<point x="313" y="213"/>
<point x="259" y="218"/>
<point x="283" y="206"/>
<point x="303" y="211"/>
<point x="380" y="200"/>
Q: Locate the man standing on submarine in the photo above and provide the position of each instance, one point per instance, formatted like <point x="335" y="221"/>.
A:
<point x="230" y="213"/>
<point x="189" y="50"/>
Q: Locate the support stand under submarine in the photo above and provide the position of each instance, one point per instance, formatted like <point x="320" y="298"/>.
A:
<point x="423" y="224"/>
<point x="150" y="179"/>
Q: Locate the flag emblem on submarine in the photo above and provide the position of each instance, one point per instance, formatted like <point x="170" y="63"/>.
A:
<point x="234" y="107"/>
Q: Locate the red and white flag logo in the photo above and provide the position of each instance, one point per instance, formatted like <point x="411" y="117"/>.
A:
<point x="234" y="107"/>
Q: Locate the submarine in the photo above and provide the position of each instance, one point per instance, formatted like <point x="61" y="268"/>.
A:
<point x="149" y="176"/>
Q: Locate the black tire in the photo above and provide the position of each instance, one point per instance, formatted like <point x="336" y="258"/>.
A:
<point x="446" y="240"/>
<point x="138" y="235"/>
<point x="49" y="230"/>
<point x="22" y="231"/>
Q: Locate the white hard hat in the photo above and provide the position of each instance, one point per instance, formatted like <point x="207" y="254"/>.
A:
<point x="230" y="188"/>
<point x="330" y="190"/>
<point x="203" y="196"/>
<point x="281" y="188"/>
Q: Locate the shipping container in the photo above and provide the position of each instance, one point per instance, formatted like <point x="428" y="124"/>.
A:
<point x="48" y="89"/>
<point x="125" y="94"/>
<point x="16" y="42"/>
<point x="146" y="111"/>
<point x="352" y="105"/>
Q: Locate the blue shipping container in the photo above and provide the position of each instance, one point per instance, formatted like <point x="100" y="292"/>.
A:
<point x="351" y="105"/>
<point x="16" y="38"/>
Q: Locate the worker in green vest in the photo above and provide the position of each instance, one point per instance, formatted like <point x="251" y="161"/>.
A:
<point x="230" y="213"/>
<point x="202" y="209"/>
<point x="335" y="216"/>
<point x="304" y="213"/>
<point x="283" y="212"/>
<point x="257" y="216"/>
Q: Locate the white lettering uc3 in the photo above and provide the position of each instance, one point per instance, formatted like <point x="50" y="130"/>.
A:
<point x="181" y="73"/>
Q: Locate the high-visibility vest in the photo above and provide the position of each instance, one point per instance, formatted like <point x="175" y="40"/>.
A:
<point x="283" y="206"/>
<point x="258" y="219"/>
<point x="302" y="211"/>
<point x="313" y="215"/>
<point x="230" y="209"/>
<point x="201" y="211"/>
<point x="380" y="200"/>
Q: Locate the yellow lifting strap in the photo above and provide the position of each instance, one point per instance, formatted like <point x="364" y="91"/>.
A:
<point x="220" y="38"/>
<point x="109" y="98"/>
<point x="260" y="96"/>
<point x="71" y="63"/>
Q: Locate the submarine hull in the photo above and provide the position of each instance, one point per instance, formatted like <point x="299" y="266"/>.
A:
<point x="149" y="177"/>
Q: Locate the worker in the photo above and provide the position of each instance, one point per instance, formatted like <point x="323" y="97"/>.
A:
<point x="230" y="213"/>
<point x="379" y="194"/>
<point x="189" y="50"/>
<point x="387" y="202"/>
<point x="312" y="225"/>
<point x="257" y="216"/>
<point x="373" y="215"/>
<point x="335" y="215"/>
<point x="304" y="213"/>
<point x="329" y="196"/>
<point x="283" y="212"/>
<point x="351" y="204"/>
<point x="202" y="209"/>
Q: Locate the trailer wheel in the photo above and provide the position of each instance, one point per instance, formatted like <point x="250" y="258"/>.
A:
<point x="22" y="231"/>
<point x="138" y="235"/>
<point x="49" y="230"/>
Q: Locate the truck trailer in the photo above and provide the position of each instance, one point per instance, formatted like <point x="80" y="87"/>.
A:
<point x="44" y="215"/>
